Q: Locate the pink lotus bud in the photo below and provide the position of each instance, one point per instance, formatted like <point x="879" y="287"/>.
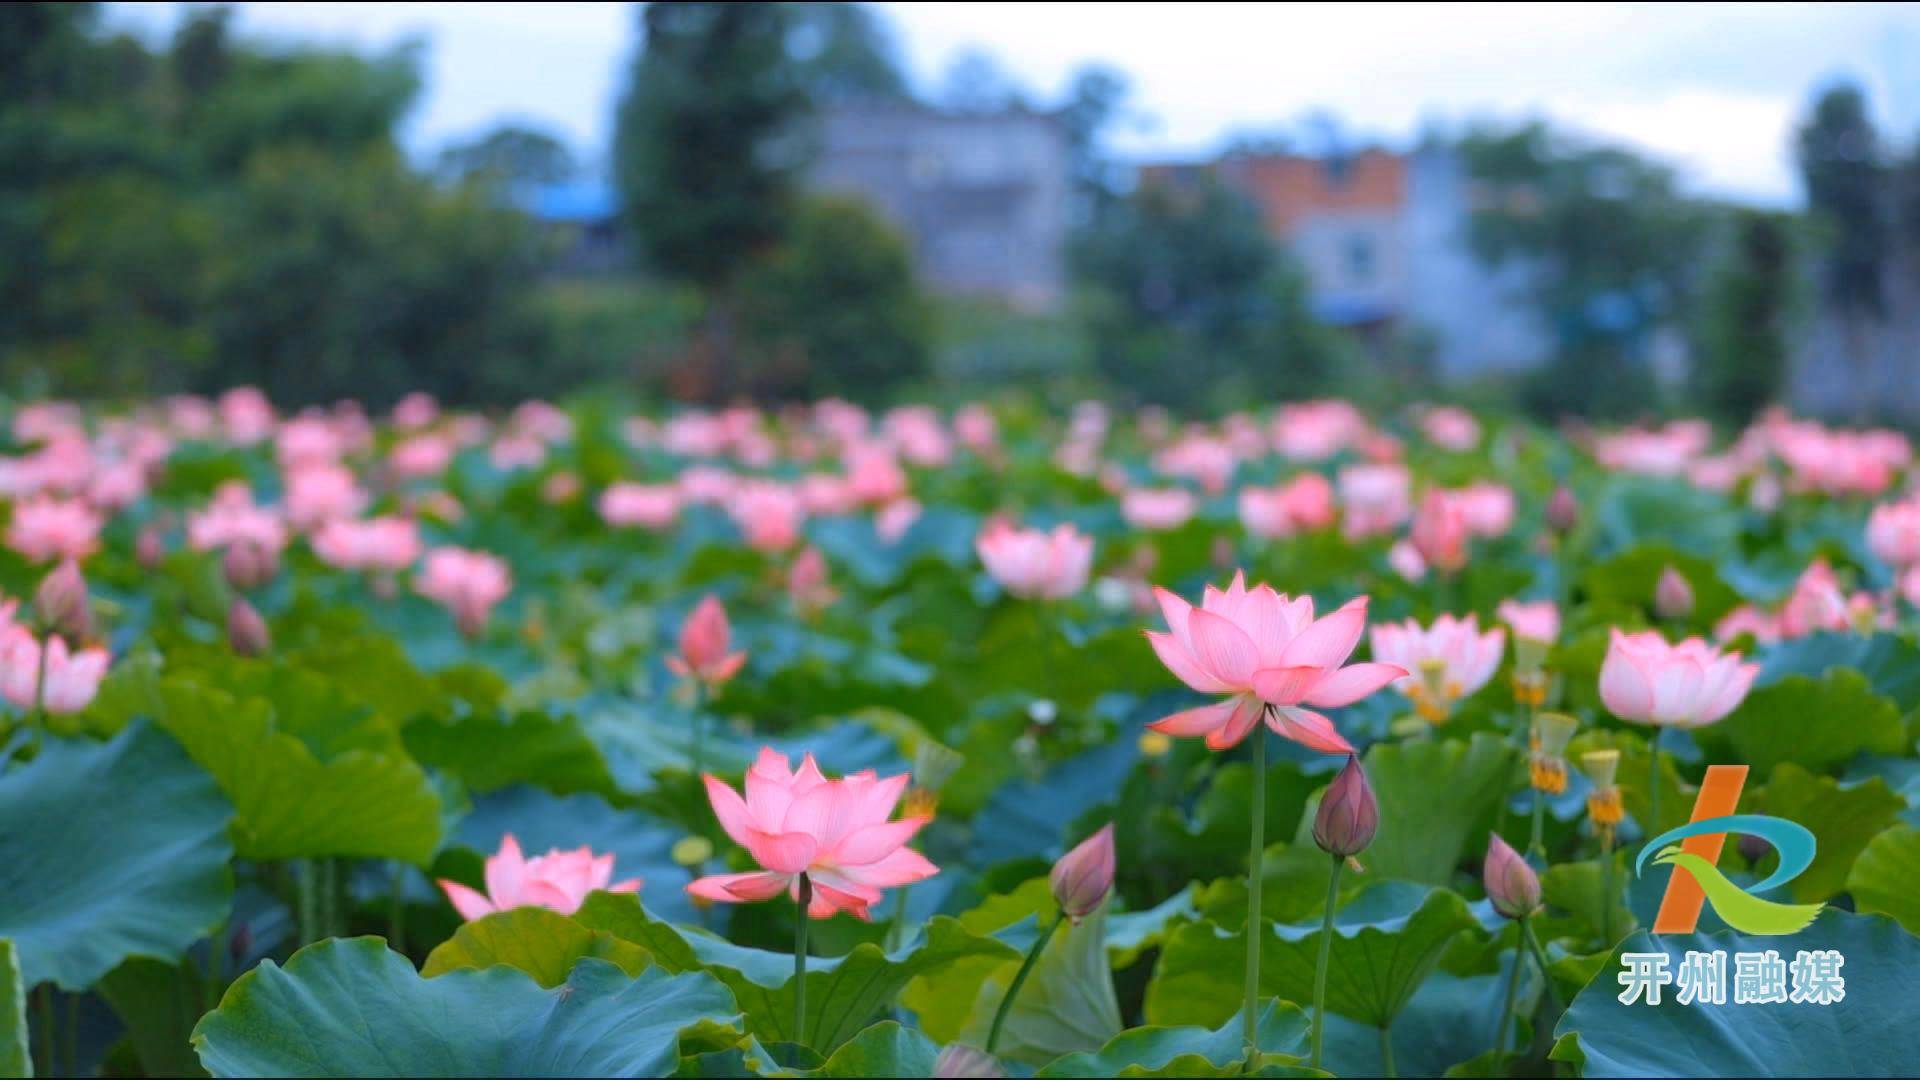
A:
<point x="1563" y="510"/>
<point x="1083" y="877"/>
<point x="246" y="630"/>
<point x="248" y="565"/>
<point x="1348" y="815"/>
<point x="704" y="639"/>
<point x="61" y="602"/>
<point x="1511" y="884"/>
<point x="149" y="548"/>
<point x="960" y="1061"/>
<point x="1672" y="596"/>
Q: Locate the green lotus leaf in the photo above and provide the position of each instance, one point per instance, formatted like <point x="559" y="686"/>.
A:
<point x="544" y="944"/>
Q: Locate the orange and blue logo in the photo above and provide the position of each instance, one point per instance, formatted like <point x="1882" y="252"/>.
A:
<point x="1693" y="849"/>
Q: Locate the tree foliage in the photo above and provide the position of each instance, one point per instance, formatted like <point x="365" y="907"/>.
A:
<point x="1742" y="362"/>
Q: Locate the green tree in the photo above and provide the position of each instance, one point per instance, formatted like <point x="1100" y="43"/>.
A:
<point x="512" y="155"/>
<point x="708" y="151"/>
<point x="1742" y="361"/>
<point x="1846" y="180"/>
<point x="835" y="309"/>
<point x="845" y="52"/>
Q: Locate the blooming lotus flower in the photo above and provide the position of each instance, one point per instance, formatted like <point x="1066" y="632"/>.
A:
<point x="72" y="678"/>
<point x="1440" y="532"/>
<point x="1374" y="499"/>
<point x="1035" y="564"/>
<point x="836" y="832"/>
<point x="1271" y="657"/>
<point x="1511" y="884"/>
<point x="1893" y="532"/>
<point x="1405" y="560"/>
<point x="704" y="638"/>
<point x="1450" y="428"/>
<point x="558" y="881"/>
<point x="421" y="456"/>
<point x="767" y="514"/>
<point x="1645" y="680"/>
<point x="1157" y="509"/>
<point x="387" y="543"/>
<point x="649" y="506"/>
<point x="1305" y="502"/>
<point x="1816" y="603"/>
<point x="1445" y="662"/>
<point x="231" y="517"/>
<point x="467" y="583"/>
<point x="1537" y="621"/>
<point x="48" y="528"/>
<point x="320" y="492"/>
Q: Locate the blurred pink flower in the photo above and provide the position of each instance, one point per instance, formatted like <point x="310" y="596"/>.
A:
<point x="1893" y="532"/>
<point x="1645" y="680"/>
<point x="1268" y="653"/>
<point x="1317" y="430"/>
<point x="1198" y="457"/>
<point x="1445" y="662"/>
<point x="1157" y="509"/>
<point x="232" y="516"/>
<point x="836" y="832"/>
<point x="319" y="492"/>
<point x="517" y="450"/>
<point x="1747" y="619"/>
<point x="1440" y="533"/>
<point x="246" y="414"/>
<point x="1301" y="504"/>
<point x="421" y="456"/>
<point x="1450" y="428"/>
<point x="705" y="638"/>
<point x="1374" y="499"/>
<point x="307" y="439"/>
<point x="558" y="881"/>
<point x="1034" y="564"/>
<point x="649" y="506"/>
<point x="46" y="528"/>
<point x="72" y="678"/>
<point x="382" y="543"/>
<point x="1405" y="560"/>
<point x="1539" y="620"/>
<point x="893" y="520"/>
<point x="416" y="410"/>
<point x="467" y="583"/>
<point x="976" y="428"/>
<point x="1816" y="603"/>
<point x="767" y="514"/>
<point x="807" y="583"/>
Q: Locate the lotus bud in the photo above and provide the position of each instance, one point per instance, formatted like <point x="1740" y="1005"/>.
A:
<point x="1563" y="510"/>
<point x="1672" y="597"/>
<point x="150" y="547"/>
<point x="1348" y="815"/>
<point x="61" y="602"/>
<point x="1084" y="876"/>
<point x="248" y="565"/>
<point x="246" y="630"/>
<point x="960" y="1061"/>
<point x="1511" y="884"/>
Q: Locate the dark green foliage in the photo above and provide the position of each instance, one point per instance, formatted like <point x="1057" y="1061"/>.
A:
<point x="1840" y="162"/>
<point x="1743" y="356"/>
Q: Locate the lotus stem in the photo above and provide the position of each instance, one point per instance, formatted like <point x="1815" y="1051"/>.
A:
<point x="1320" y="970"/>
<point x="1504" y="1033"/>
<point x="1538" y="843"/>
<point x="1386" y="1051"/>
<point x="1606" y="888"/>
<point x="1540" y="958"/>
<point x="397" y="909"/>
<point x="802" y="901"/>
<point x="1256" y="857"/>
<point x="1653" y="786"/>
<point x="1020" y="980"/>
<point x="699" y="730"/>
<point x="47" y="1063"/>
<point x="40" y="699"/>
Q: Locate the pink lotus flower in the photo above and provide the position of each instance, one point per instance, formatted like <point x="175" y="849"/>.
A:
<point x="1645" y="680"/>
<point x="232" y="517"/>
<point x="1747" y="619"/>
<point x="1374" y="499"/>
<point x="247" y="415"/>
<point x="1445" y="662"/>
<point x="649" y="506"/>
<point x="1486" y="509"/>
<point x="767" y="514"/>
<point x="704" y="640"/>
<point x="1539" y="620"/>
<point x="1203" y="459"/>
<point x="836" y="832"/>
<point x="421" y="456"/>
<point x="1035" y="564"/>
<point x="1816" y="603"/>
<point x="1440" y="533"/>
<point x="1317" y="430"/>
<point x="1405" y="561"/>
<point x="416" y="410"/>
<point x="1303" y="503"/>
<point x="1157" y="509"/>
<point x="1511" y="884"/>
<point x="517" y="450"/>
<point x="1450" y="428"/>
<point x="383" y="543"/>
<point x="307" y="439"/>
<point x="1083" y="877"/>
<point x="319" y="493"/>
<point x="892" y="521"/>
<point x="1271" y="657"/>
<point x="49" y="528"/>
<point x="467" y="583"/>
<point x="558" y="881"/>
<point x="807" y="584"/>
<point x="72" y="678"/>
<point x="976" y="428"/>
<point x="1893" y="532"/>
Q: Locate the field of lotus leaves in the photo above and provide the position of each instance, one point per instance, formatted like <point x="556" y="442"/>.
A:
<point x="814" y="741"/>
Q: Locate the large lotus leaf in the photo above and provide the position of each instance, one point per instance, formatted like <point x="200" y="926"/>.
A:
<point x="1638" y="509"/>
<point x="1067" y="1005"/>
<point x="351" y="1007"/>
<point x="641" y="845"/>
<point x="290" y="803"/>
<point x="843" y="992"/>
<point x="1886" y="876"/>
<point x="110" y="850"/>
<point x="1435" y="797"/>
<point x="1194" y="1051"/>
<point x="1449" y="1020"/>
<point x="1816" y="723"/>
<point x="544" y="944"/>
<point x="1891" y="663"/>
<point x="1864" y="1034"/>
<point x="1028" y="817"/>
<point x="1842" y="817"/>
<point x="488" y="750"/>
<point x="885" y="1049"/>
<point x="1628" y="580"/>
<point x="16" y="1055"/>
<point x="1385" y="941"/>
<point x="159" y="1004"/>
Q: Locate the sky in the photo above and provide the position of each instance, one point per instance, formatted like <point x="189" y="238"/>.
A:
<point x="1712" y="89"/>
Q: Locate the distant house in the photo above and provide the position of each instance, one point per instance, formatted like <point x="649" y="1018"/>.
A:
<point x="983" y="198"/>
<point x="1382" y="237"/>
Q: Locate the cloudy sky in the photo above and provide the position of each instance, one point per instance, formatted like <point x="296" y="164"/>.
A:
<point x="1713" y="89"/>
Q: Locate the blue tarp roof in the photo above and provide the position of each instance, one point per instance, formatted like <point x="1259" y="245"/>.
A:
<point x="575" y="202"/>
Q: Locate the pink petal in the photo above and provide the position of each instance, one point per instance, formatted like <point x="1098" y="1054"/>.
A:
<point x="733" y="888"/>
<point x="1353" y="682"/>
<point x="827" y="900"/>
<point x="785" y="853"/>
<point x="1183" y="665"/>
<point x="1285" y="685"/>
<point x="1223" y="649"/>
<point x="1264" y="618"/>
<point x="548" y="895"/>
<point x="904" y="867"/>
<point x="1309" y="729"/>
<point x="874" y="842"/>
<point x="631" y="885"/>
<point x="1330" y="640"/>
<point x="1244" y="717"/>
<point x="1196" y="722"/>
<point x="506" y="873"/>
<point x="730" y="808"/>
<point x="1175" y="611"/>
<point x="471" y="905"/>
